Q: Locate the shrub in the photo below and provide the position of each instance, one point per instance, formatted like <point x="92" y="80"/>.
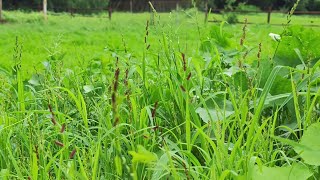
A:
<point x="231" y="18"/>
<point x="219" y="36"/>
<point x="248" y="8"/>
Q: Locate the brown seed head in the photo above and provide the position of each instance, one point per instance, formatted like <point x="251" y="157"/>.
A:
<point x="73" y="153"/>
<point x="59" y="143"/>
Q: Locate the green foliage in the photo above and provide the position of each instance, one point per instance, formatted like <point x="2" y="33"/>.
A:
<point x="219" y="36"/>
<point x="177" y="99"/>
<point x="296" y="171"/>
<point x="309" y="146"/>
<point x="190" y="13"/>
<point x="247" y="8"/>
<point x="143" y="155"/>
<point x="83" y="3"/>
<point x="231" y="18"/>
<point x="65" y="5"/>
<point x="313" y="5"/>
<point x="58" y="5"/>
<point x="303" y="39"/>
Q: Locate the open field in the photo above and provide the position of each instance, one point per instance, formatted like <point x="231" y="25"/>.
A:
<point x="86" y="37"/>
<point x="159" y="96"/>
<point x="93" y="34"/>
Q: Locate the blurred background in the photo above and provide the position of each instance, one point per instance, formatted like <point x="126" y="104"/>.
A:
<point x="90" y="6"/>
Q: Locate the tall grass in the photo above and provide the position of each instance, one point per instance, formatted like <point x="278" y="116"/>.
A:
<point x="164" y="112"/>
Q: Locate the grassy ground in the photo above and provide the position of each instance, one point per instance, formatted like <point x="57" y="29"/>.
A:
<point x="86" y="37"/>
<point x="162" y="96"/>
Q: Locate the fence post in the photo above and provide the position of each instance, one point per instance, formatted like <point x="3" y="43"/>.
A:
<point x="71" y="12"/>
<point x="206" y="12"/>
<point x="0" y="10"/>
<point x="45" y="9"/>
<point x="269" y="14"/>
<point x="131" y="6"/>
<point x="110" y="12"/>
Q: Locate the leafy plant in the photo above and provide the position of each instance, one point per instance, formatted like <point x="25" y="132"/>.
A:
<point x="231" y="18"/>
<point x="298" y="46"/>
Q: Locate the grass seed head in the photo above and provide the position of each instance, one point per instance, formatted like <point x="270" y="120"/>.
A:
<point x="154" y="110"/>
<point x="259" y="54"/>
<point x="189" y="76"/>
<point x="63" y="128"/>
<point x="72" y="153"/>
<point x="184" y="61"/>
<point x="182" y="88"/>
<point x="53" y="120"/>
<point x="244" y="29"/>
<point x="116" y="80"/>
<point x="116" y="122"/>
<point x="59" y="143"/>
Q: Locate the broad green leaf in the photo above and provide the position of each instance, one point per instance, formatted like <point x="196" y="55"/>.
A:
<point x="88" y="88"/>
<point x="47" y="65"/>
<point x="34" y="80"/>
<point x="212" y="114"/>
<point x="241" y="81"/>
<point x="232" y="71"/>
<point x="143" y="155"/>
<point x="280" y="85"/>
<point x="272" y="100"/>
<point x="297" y="37"/>
<point x="310" y="145"/>
<point x="161" y="167"/>
<point x="294" y="172"/>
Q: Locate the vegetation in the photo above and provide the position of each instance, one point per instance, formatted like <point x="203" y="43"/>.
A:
<point x="58" y="5"/>
<point x="62" y="5"/>
<point x="168" y="98"/>
<point x="276" y="4"/>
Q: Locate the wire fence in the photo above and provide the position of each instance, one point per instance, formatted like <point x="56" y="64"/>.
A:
<point x="268" y="20"/>
<point x="265" y="11"/>
<point x="161" y="6"/>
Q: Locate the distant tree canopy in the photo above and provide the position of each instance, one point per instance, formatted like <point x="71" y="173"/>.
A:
<point x="59" y="5"/>
<point x="142" y="5"/>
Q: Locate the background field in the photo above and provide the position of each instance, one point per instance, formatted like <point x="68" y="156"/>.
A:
<point x="86" y="37"/>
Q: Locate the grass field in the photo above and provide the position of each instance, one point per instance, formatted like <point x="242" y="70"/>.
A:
<point x="159" y="96"/>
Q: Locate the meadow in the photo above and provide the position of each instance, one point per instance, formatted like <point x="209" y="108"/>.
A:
<point x="159" y="96"/>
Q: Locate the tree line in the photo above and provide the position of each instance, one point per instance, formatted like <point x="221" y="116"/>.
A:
<point x="59" y="5"/>
<point x="63" y="5"/>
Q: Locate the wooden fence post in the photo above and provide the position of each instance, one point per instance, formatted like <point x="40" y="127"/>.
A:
<point x="206" y="12"/>
<point x="110" y="12"/>
<point x="0" y="10"/>
<point x="131" y="6"/>
<point x="71" y="12"/>
<point x="269" y="14"/>
<point x="45" y="9"/>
